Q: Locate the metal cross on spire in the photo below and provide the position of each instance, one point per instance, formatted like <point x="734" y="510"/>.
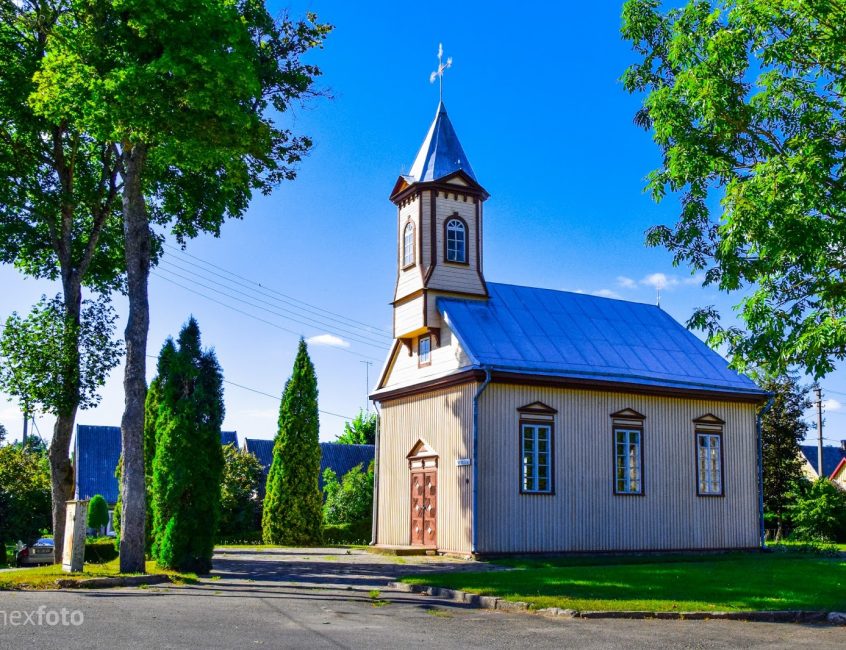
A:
<point x="439" y="73"/>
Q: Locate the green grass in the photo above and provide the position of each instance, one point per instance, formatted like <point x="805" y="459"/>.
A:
<point x="735" y="581"/>
<point x="45" y="577"/>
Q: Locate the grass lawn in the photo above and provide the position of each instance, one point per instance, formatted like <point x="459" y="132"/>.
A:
<point x="734" y="581"/>
<point x="45" y="577"/>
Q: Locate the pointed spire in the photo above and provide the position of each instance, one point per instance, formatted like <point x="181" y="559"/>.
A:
<point x="441" y="153"/>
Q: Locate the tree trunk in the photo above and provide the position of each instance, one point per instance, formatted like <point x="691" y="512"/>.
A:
<point x="61" y="470"/>
<point x="137" y="234"/>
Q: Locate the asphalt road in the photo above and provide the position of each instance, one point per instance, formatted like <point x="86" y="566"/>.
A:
<point x="322" y="599"/>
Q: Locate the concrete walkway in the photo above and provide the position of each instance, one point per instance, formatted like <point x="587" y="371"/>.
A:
<point x="321" y="598"/>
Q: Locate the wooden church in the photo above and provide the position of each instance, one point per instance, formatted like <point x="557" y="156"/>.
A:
<point x="519" y="420"/>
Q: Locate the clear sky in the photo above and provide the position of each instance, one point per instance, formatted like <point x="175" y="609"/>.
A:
<point x="535" y="98"/>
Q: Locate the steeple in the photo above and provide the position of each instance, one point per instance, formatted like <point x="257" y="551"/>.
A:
<point x="441" y="153"/>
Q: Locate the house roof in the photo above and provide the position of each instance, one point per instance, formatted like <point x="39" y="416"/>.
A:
<point x="96" y="455"/>
<point x="831" y="457"/>
<point x="572" y="335"/>
<point x="440" y="154"/>
<point x="336" y="456"/>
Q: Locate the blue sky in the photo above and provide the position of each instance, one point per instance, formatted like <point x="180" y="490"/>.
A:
<point x="535" y="97"/>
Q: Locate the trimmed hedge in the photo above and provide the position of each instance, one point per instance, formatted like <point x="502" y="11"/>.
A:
<point x="100" y="550"/>
<point x="358" y="532"/>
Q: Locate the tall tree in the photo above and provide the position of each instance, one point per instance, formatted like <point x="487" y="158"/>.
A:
<point x="782" y="429"/>
<point x="293" y="506"/>
<point x="188" y="461"/>
<point x="189" y="94"/>
<point x="360" y="431"/>
<point x="745" y="100"/>
<point x="59" y="209"/>
<point x="24" y="495"/>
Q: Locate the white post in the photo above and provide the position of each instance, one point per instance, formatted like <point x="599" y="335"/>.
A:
<point x="73" y="556"/>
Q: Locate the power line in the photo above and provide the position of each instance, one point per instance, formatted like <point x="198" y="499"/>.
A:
<point x="258" y="318"/>
<point x="224" y="290"/>
<point x="277" y="292"/>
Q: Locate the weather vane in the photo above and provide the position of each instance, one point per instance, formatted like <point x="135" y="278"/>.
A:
<point x="439" y="73"/>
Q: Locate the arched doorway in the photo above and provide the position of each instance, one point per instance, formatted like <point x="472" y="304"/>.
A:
<point x="423" y="467"/>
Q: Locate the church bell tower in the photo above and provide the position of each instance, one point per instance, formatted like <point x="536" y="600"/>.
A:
<point x="439" y="234"/>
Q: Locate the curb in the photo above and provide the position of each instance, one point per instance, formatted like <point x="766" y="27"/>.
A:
<point x="493" y="602"/>
<point x="104" y="583"/>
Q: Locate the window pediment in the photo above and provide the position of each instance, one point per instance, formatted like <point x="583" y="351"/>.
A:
<point x="537" y="408"/>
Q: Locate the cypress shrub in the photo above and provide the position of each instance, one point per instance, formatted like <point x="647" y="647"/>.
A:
<point x="188" y="460"/>
<point x="98" y="513"/>
<point x="293" y="506"/>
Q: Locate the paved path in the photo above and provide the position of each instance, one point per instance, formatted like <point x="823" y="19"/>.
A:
<point x="287" y="598"/>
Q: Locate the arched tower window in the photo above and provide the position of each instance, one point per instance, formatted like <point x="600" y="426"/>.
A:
<point x="408" y="245"/>
<point x="456" y="241"/>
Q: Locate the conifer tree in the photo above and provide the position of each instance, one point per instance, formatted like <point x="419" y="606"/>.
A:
<point x="188" y="460"/>
<point x="293" y="506"/>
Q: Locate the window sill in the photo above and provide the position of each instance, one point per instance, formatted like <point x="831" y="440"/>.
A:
<point x="409" y="266"/>
<point x="457" y="263"/>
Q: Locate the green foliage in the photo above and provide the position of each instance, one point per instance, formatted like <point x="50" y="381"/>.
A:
<point x="100" y="550"/>
<point x="361" y="431"/>
<point x="782" y="430"/>
<point x="819" y="512"/>
<point x="239" y="502"/>
<point x="116" y="514"/>
<point x="36" y="350"/>
<point x="358" y="532"/>
<point x="292" y="513"/>
<point x="351" y="499"/>
<point x="242" y="538"/>
<point x="745" y="102"/>
<point x="98" y="513"/>
<point x="24" y="494"/>
<point x="188" y="463"/>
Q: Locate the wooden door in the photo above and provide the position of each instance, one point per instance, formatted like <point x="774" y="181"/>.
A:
<point x="424" y="508"/>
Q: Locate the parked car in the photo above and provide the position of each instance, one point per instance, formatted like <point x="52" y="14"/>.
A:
<point x="39" y="552"/>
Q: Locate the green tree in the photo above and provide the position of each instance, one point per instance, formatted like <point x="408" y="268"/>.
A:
<point x="24" y="495"/>
<point x="782" y="430"/>
<point x="350" y="500"/>
<point x="188" y="462"/>
<point x="292" y="513"/>
<point x="189" y="94"/>
<point x="239" y="502"/>
<point x="745" y="102"/>
<point x="819" y="512"/>
<point x="360" y="431"/>
<point x="98" y="513"/>
<point x="59" y="211"/>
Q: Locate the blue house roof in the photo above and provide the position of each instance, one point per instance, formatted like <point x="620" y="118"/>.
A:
<point x="831" y="457"/>
<point x="96" y="455"/>
<point x="338" y="457"/>
<point x="573" y="335"/>
<point x="441" y="154"/>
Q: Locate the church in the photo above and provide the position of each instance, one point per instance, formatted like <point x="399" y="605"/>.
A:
<point x="525" y="420"/>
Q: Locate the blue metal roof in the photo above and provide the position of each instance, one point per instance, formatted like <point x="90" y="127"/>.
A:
<point x="229" y="438"/>
<point x="574" y="335"/>
<point x="831" y="457"/>
<point x="336" y="456"/>
<point x="441" y="153"/>
<point x="96" y="455"/>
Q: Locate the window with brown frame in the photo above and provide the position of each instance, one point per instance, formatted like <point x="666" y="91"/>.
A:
<point x="627" y="445"/>
<point x="424" y="351"/>
<point x="536" y="456"/>
<point x="455" y="240"/>
<point x="709" y="463"/>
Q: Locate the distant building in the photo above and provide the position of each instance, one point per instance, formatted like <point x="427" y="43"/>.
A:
<point x="337" y="457"/>
<point x="518" y="419"/>
<point x="96" y="452"/>
<point x="834" y="462"/>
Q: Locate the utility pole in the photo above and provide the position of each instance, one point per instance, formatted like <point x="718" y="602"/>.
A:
<point x="819" y="433"/>
<point x="367" y="365"/>
<point x="26" y="424"/>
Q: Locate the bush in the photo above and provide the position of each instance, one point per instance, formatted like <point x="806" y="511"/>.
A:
<point x="351" y="499"/>
<point x="819" y="513"/>
<point x="99" y="550"/>
<point x="98" y="513"/>
<point x="359" y="532"/>
<point x="248" y="537"/>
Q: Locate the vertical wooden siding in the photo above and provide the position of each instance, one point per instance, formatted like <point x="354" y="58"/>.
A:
<point x="444" y="419"/>
<point x="584" y="514"/>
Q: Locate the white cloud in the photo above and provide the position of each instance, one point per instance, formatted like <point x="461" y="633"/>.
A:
<point x="699" y="278"/>
<point x="832" y="405"/>
<point x="607" y="293"/>
<point x="626" y="283"/>
<point x="659" y="281"/>
<point x="328" y="339"/>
